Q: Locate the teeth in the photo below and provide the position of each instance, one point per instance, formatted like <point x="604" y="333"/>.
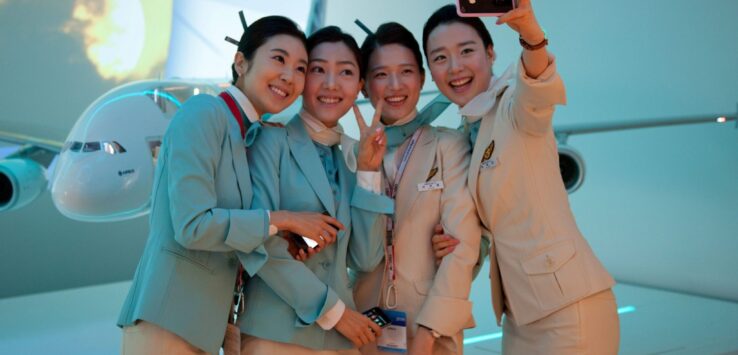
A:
<point x="278" y="91"/>
<point x="459" y="82"/>
<point x="395" y="99"/>
<point x="329" y="100"/>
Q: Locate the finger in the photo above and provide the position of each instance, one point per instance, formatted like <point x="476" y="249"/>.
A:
<point x="511" y="15"/>
<point x="333" y="221"/>
<point x="359" y="119"/>
<point x="438" y="229"/>
<point x="441" y="253"/>
<point x="376" y="329"/>
<point x="363" y="338"/>
<point x="311" y="252"/>
<point x="445" y="244"/>
<point x="315" y="236"/>
<point x="377" y="113"/>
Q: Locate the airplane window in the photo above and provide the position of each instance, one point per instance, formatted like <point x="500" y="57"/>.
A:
<point x="91" y="147"/>
<point x="76" y="146"/>
<point x="113" y="148"/>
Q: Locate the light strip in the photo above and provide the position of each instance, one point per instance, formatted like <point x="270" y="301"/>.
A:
<point x="498" y="335"/>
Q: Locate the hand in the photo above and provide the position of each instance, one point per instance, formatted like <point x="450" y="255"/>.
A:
<point x="443" y="244"/>
<point x="316" y="226"/>
<point x="522" y="20"/>
<point x="358" y="328"/>
<point x="372" y="142"/>
<point x="298" y="253"/>
<point x="422" y="343"/>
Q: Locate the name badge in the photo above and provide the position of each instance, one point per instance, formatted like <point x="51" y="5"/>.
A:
<point x="430" y="185"/>
<point x="491" y="163"/>
<point x="394" y="336"/>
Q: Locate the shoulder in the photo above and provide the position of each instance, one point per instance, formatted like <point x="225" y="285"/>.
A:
<point x="200" y="111"/>
<point x="268" y="137"/>
<point x="449" y="138"/>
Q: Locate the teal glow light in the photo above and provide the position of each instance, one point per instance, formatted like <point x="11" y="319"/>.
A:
<point x="498" y="335"/>
<point x="133" y="94"/>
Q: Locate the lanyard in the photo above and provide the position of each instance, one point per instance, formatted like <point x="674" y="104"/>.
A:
<point x="391" y="262"/>
<point x="238" y="301"/>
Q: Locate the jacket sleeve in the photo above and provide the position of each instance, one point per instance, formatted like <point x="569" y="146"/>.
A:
<point x="533" y="100"/>
<point x="447" y="308"/>
<point x="194" y="144"/>
<point x="290" y="279"/>
<point x="368" y="225"/>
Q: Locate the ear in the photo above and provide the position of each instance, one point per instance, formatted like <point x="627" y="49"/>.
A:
<point x="242" y="65"/>
<point x="422" y="80"/>
<point x="491" y="53"/>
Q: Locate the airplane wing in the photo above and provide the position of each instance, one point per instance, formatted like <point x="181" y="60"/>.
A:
<point x="40" y="150"/>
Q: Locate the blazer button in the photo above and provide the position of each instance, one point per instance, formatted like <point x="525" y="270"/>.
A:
<point x="549" y="261"/>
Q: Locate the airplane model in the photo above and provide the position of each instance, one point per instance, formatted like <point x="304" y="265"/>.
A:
<point x="105" y="169"/>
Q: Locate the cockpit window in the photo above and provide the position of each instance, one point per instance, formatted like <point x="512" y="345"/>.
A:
<point x="111" y="147"/>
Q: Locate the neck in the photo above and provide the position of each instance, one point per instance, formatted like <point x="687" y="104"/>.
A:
<point x="240" y="86"/>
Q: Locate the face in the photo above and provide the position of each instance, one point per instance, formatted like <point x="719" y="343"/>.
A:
<point x="332" y="83"/>
<point x="459" y="63"/>
<point x="275" y="76"/>
<point x="394" y="76"/>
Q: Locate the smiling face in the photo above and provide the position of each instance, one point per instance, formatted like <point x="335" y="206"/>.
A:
<point x="332" y="83"/>
<point x="459" y="63"/>
<point x="275" y="76"/>
<point x="394" y="76"/>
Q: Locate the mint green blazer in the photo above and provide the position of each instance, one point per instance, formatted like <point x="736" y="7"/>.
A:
<point x="199" y="222"/>
<point x="286" y="297"/>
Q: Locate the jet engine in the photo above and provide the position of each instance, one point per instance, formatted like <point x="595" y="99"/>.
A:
<point x="572" y="168"/>
<point x="21" y="181"/>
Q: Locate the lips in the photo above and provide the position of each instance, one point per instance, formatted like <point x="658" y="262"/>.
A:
<point x="460" y="84"/>
<point x="277" y="91"/>
<point x="329" y="100"/>
<point x="396" y="100"/>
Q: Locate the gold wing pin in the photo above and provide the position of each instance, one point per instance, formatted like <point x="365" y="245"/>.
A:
<point x="432" y="173"/>
<point x="488" y="152"/>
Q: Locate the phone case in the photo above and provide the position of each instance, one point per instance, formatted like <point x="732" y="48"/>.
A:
<point x="461" y="4"/>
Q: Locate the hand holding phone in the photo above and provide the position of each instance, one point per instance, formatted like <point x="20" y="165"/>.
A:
<point x="378" y="317"/>
<point x="480" y="8"/>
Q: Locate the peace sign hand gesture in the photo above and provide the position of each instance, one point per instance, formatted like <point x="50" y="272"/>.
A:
<point x="372" y="143"/>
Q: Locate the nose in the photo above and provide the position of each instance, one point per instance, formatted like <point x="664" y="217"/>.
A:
<point x="330" y="81"/>
<point x="394" y="82"/>
<point x="455" y="64"/>
<point x="287" y="75"/>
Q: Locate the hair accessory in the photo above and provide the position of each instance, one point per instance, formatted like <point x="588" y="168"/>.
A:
<point x="363" y="27"/>
<point x="231" y="41"/>
<point x="243" y="20"/>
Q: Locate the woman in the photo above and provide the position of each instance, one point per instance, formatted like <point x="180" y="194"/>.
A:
<point x="302" y="167"/>
<point x="181" y="295"/>
<point x="557" y="297"/>
<point x="425" y="172"/>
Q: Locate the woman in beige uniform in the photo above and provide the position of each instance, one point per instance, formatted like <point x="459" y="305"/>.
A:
<point x="425" y="172"/>
<point x="555" y="294"/>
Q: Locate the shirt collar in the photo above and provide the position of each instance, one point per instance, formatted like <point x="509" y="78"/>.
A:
<point x="244" y="103"/>
<point x="482" y="103"/>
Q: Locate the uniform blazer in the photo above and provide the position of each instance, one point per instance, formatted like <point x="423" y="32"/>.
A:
<point x="436" y="297"/>
<point x="184" y="281"/>
<point x="286" y="297"/>
<point x="539" y="260"/>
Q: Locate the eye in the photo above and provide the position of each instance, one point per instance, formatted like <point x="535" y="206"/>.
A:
<point x="380" y="75"/>
<point x="467" y="50"/>
<point x="347" y="72"/>
<point x="317" y="69"/>
<point x="302" y="69"/>
<point x="439" y="58"/>
<point x="279" y="58"/>
<point x="408" y="71"/>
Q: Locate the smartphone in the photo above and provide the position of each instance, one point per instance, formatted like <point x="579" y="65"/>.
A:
<point x="378" y="316"/>
<point x="479" y="8"/>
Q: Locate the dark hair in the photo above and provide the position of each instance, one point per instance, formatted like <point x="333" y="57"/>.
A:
<point x="333" y="34"/>
<point x="446" y="15"/>
<point x="261" y="31"/>
<point x="390" y="33"/>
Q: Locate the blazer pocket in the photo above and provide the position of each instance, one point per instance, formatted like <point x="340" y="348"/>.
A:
<point x="556" y="275"/>
<point x="198" y="258"/>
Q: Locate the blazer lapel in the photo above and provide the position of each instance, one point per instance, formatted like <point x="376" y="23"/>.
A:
<point x="416" y="171"/>
<point x="307" y="159"/>
<point x="240" y="161"/>
<point x="346" y="181"/>
<point x="484" y="139"/>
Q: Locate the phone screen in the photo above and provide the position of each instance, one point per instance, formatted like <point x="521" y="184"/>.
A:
<point x="484" y="7"/>
<point x="377" y="316"/>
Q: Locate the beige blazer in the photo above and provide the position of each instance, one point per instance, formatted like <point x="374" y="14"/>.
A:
<point x="539" y="260"/>
<point x="436" y="297"/>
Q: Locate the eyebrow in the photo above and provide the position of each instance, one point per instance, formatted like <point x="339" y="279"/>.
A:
<point x="399" y="65"/>
<point x="348" y="62"/>
<point x="458" y="45"/>
<point x="286" y="54"/>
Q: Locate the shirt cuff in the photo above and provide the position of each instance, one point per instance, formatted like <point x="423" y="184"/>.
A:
<point x="369" y="180"/>
<point x="329" y="320"/>
<point x="272" y="228"/>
